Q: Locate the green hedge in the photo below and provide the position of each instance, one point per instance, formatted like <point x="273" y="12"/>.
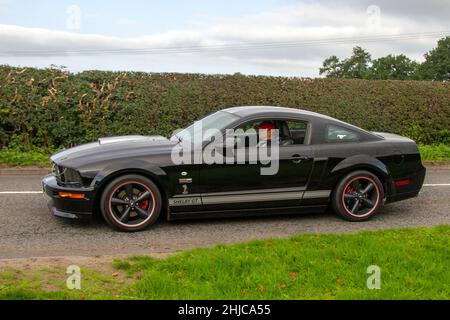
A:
<point x="53" y="108"/>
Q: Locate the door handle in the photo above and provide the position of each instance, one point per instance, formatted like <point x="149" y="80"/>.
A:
<point x="296" y="158"/>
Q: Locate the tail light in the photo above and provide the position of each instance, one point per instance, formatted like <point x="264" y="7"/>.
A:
<point x="401" y="183"/>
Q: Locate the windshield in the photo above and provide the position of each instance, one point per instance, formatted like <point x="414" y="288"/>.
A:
<point x="197" y="132"/>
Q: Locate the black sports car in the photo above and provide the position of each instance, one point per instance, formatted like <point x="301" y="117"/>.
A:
<point x="321" y="161"/>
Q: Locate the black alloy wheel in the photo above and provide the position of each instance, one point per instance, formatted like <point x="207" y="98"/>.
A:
<point x="131" y="203"/>
<point x="358" y="196"/>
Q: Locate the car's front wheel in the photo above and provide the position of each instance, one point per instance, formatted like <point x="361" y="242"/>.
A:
<point x="131" y="203"/>
<point x="358" y="196"/>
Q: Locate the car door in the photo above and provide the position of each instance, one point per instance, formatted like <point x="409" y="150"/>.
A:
<point x="243" y="185"/>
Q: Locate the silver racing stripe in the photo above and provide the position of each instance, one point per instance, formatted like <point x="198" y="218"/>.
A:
<point x="258" y="191"/>
<point x="248" y="196"/>
<point x="252" y="197"/>
<point x="316" y="194"/>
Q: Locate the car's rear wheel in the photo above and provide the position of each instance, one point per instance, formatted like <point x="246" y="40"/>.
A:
<point x="358" y="196"/>
<point x="131" y="203"/>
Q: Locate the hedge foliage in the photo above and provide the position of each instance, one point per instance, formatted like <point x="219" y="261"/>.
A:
<point x="54" y="108"/>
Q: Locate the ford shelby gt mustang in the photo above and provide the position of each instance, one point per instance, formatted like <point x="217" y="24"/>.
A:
<point x="322" y="162"/>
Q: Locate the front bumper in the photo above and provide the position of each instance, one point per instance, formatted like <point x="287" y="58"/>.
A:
<point x="65" y="207"/>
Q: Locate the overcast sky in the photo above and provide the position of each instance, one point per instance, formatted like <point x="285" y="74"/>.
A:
<point x="215" y="36"/>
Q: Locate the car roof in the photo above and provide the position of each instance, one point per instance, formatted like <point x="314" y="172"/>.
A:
<point x="244" y="111"/>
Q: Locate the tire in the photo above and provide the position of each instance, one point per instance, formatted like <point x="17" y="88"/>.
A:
<point x="358" y="196"/>
<point x="131" y="203"/>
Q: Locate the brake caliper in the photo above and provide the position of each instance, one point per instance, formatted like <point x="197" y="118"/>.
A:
<point x="143" y="204"/>
<point x="349" y="189"/>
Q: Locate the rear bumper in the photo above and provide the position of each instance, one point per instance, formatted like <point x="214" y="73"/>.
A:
<point x="410" y="190"/>
<point x="64" y="207"/>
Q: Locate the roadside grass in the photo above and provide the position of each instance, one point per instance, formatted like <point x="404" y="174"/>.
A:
<point x="50" y="283"/>
<point x="12" y="157"/>
<point x="40" y="157"/>
<point x="414" y="265"/>
<point x="439" y="152"/>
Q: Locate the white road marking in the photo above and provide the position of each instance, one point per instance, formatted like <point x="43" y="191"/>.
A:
<point x="437" y="185"/>
<point x="20" y="192"/>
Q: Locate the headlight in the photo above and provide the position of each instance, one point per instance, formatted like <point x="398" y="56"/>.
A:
<point x="72" y="176"/>
<point x="66" y="175"/>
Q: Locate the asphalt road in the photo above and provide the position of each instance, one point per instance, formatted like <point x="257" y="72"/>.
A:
<point x="28" y="230"/>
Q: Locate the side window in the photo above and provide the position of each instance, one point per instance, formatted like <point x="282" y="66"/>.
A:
<point x="250" y="137"/>
<point x="250" y="125"/>
<point x="291" y="132"/>
<point x="336" y="134"/>
<point x="297" y="131"/>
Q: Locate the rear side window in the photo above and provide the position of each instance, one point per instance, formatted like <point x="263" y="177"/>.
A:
<point x="336" y="134"/>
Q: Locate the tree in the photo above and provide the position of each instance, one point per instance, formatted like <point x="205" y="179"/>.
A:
<point x="331" y="67"/>
<point x="393" y="67"/>
<point x="437" y="62"/>
<point x="354" y="67"/>
<point x="360" y="65"/>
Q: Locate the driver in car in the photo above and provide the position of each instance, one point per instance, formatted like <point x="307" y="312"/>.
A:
<point x="266" y="134"/>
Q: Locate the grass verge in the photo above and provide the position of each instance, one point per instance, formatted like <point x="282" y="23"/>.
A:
<point x="414" y="265"/>
<point x="11" y="157"/>
<point x="439" y="152"/>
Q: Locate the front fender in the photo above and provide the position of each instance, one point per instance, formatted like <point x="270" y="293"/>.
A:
<point x="133" y="165"/>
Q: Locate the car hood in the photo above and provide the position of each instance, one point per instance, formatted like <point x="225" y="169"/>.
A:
<point x="112" y="148"/>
